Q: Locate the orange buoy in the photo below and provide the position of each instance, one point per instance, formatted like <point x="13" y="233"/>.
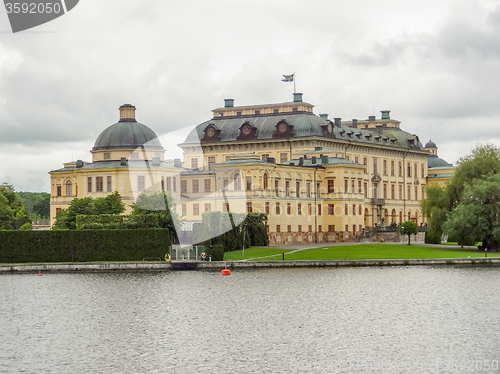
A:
<point x="226" y="272"/>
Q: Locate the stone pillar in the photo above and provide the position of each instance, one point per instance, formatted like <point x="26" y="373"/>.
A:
<point x="374" y="215"/>
<point x="382" y="215"/>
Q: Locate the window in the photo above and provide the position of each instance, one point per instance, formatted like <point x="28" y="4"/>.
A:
<point x="283" y="158"/>
<point x="257" y="112"/>
<point x="345" y="185"/>
<point x="184" y="210"/>
<point x="416" y="193"/>
<point x="278" y="228"/>
<point x="400" y="192"/>
<point x="331" y="209"/>
<point x="415" y="169"/>
<point x="196" y="186"/>
<point x="208" y="185"/>
<point x="174" y="183"/>
<point x="58" y="210"/>
<point x="309" y="209"/>
<point x="288" y="208"/>
<point x="225" y="208"/>
<point x="392" y="191"/>
<point x="194" y="163"/>
<point x="365" y="162"/>
<point x="385" y="190"/>
<point x="365" y="187"/>
<point x="237" y="182"/>
<point x="356" y="159"/>
<point x="276" y="185"/>
<point x="320" y="228"/>
<point x="249" y="207"/>
<point x="184" y="186"/>
<point x="353" y="209"/>
<point x="360" y="210"/>
<point x="375" y="164"/>
<point x="226" y="184"/>
<point x="375" y="190"/>
<point x="352" y="186"/>
<point x="346" y="209"/>
<point x="331" y="185"/>
<point x="107" y="155"/>
<point x="249" y="183"/>
<point x="409" y="170"/>
<point x="299" y="209"/>
<point x="392" y="167"/>
<point x="265" y="157"/>
<point x="297" y="189"/>
<point x="69" y="188"/>
<point x="109" y="186"/>
<point x="346" y="228"/>
<point x="319" y="209"/>
<point x="423" y="172"/>
<point x="266" y="207"/>
<point x="359" y="186"/>
<point x="275" y="111"/>
<point x="169" y="183"/>
<point x="59" y="193"/>
<point x="354" y="229"/>
<point x="384" y="163"/>
<point x="308" y="189"/>
<point x="196" y="209"/>
<point x="289" y="228"/>
<point x="89" y="184"/>
<point x="423" y="192"/>
<point x="331" y="228"/>
<point x="162" y="183"/>
<point x="228" y="158"/>
<point x="211" y="162"/>
<point x="99" y="183"/>
<point x="400" y="170"/>
<point x="287" y="188"/>
<point x="208" y="207"/>
<point x="310" y="229"/>
<point x="299" y="228"/>
<point x="409" y="193"/>
<point x="266" y="181"/>
<point x="278" y="209"/>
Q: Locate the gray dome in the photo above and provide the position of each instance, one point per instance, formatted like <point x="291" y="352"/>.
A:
<point x="436" y="162"/>
<point x="127" y="135"/>
<point x="430" y="144"/>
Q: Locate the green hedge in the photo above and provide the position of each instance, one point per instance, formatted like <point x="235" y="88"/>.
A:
<point x="216" y="252"/>
<point x="83" y="246"/>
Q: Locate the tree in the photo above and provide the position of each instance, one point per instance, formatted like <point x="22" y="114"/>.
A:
<point x="477" y="217"/>
<point x="111" y="204"/>
<point x="6" y="214"/>
<point x="154" y="211"/>
<point x="37" y="203"/>
<point x="409" y="228"/>
<point x="435" y="208"/>
<point x="12" y="212"/>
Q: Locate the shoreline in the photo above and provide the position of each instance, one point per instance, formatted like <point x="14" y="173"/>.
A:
<point x="219" y="265"/>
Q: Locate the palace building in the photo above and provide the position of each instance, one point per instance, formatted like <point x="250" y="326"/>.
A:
<point x="319" y="180"/>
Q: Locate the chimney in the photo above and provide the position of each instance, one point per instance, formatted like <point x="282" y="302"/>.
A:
<point x="324" y="159"/>
<point x="301" y="161"/>
<point x="354" y="123"/>
<point x="324" y="116"/>
<point x="228" y="103"/>
<point x="297" y="97"/>
<point x="123" y="161"/>
<point x="338" y="122"/>
<point x="127" y="113"/>
<point x="385" y="114"/>
<point x="371" y="118"/>
<point x="177" y="162"/>
<point x="318" y="148"/>
<point x="313" y="160"/>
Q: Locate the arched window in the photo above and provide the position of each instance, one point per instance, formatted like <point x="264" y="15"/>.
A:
<point x="69" y="188"/>
<point x="237" y="182"/>
<point x="266" y="181"/>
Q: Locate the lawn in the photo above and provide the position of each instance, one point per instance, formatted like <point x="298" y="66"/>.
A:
<point x="253" y="252"/>
<point x="379" y="251"/>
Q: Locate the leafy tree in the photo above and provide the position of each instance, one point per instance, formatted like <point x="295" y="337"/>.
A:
<point x="435" y="208"/>
<point x="111" y="204"/>
<point x="12" y="212"/>
<point x="477" y="217"/>
<point x="409" y="228"/>
<point x="6" y="214"/>
<point x="154" y="211"/>
<point x="37" y="203"/>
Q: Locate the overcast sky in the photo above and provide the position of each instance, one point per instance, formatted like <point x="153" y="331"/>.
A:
<point x="434" y="64"/>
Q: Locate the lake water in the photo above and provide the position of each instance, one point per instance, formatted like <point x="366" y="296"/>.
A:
<point x="370" y="320"/>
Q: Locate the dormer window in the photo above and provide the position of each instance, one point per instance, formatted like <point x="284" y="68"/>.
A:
<point x="238" y="113"/>
<point x="257" y="112"/>
<point x="275" y="111"/>
<point x="295" y="109"/>
<point x="107" y="155"/>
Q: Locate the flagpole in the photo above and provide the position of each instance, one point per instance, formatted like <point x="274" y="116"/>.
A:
<point x="294" y="90"/>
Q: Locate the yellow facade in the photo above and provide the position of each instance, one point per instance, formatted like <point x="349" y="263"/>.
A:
<point x="318" y="180"/>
